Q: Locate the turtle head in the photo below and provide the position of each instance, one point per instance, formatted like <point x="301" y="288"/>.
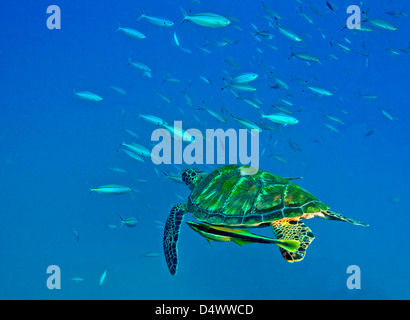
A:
<point x="192" y="177"/>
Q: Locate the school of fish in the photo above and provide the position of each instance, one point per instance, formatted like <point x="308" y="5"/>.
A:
<point x="273" y="98"/>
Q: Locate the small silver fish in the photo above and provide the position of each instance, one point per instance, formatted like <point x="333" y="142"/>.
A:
<point x="321" y="91"/>
<point x="87" y="95"/>
<point x="332" y="128"/>
<point x="241" y="87"/>
<point x="111" y="189"/>
<point x="152" y="119"/>
<point x="150" y="255"/>
<point x="129" y="222"/>
<point x="119" y="90"/>
<point x="388" y="115"/>
<point x="245" y="77"/>
<point x="103" y="276"/>
<point x="131" y="33"/>
<point x="280" y="118"/>
<point x="173" y="177"/>
<point x="288" y="33"/>
<point x="214" y="114"/>
<point x="304" y="56"/>
<point x="162" y="22"/>
<point x="210" y="20"/>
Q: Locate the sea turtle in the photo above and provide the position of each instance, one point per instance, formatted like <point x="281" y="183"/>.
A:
<point x="237" y="196"/>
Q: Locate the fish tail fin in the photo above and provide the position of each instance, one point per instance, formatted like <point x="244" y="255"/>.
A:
<point x="262" y="115"/>
<point x="292" y="53"/>
<point x="184" y="13"/>
<point x="185" y="16"/>
<point x="129" y="61"/>
<point x="288" y="245"/>
<point x="91" y="188"/>
<point x="142" y="16"/>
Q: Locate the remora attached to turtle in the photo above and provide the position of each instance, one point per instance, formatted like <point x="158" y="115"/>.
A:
<point x="229" y="199"/>
<point x="239" y="236"/>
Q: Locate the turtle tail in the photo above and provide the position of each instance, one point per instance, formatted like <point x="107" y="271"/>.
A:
<point x="330" y="215"/>
<point x="171" y="235"/>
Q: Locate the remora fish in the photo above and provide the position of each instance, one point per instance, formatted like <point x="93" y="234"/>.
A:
<point x="210" y="20"/>
<point x="162" y="22"/>
<point x="239" y="236"/>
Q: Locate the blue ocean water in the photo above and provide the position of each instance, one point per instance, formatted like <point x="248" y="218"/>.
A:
<point x="54" y="145"/>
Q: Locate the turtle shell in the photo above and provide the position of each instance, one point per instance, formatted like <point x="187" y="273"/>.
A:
<point x="232" y="196"/>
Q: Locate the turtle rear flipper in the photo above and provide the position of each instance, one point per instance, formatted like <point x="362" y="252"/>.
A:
<point x="330" y="215"/>
<point x="291" y="229"/>
<point x="171" y="235"/>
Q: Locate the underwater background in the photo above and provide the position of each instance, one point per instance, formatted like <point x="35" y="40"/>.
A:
<point x="55" y="145"/>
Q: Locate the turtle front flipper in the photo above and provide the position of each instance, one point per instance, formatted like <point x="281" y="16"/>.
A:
<point x="171" y="235"/>
<point x="292" y="229"/>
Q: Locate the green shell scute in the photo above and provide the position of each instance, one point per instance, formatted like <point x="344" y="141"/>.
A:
<point x="212" y="192"/>
<point x="314" y="206"/>
<point x="296" y="196"/>
<point x="292" y="212"/>
<point x="242" y="198"/>
<point x="228" y="197"/>
<point x="270" y="198"/>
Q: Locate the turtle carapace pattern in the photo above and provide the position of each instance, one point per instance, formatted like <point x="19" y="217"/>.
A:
<point x="236" y="196"/>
